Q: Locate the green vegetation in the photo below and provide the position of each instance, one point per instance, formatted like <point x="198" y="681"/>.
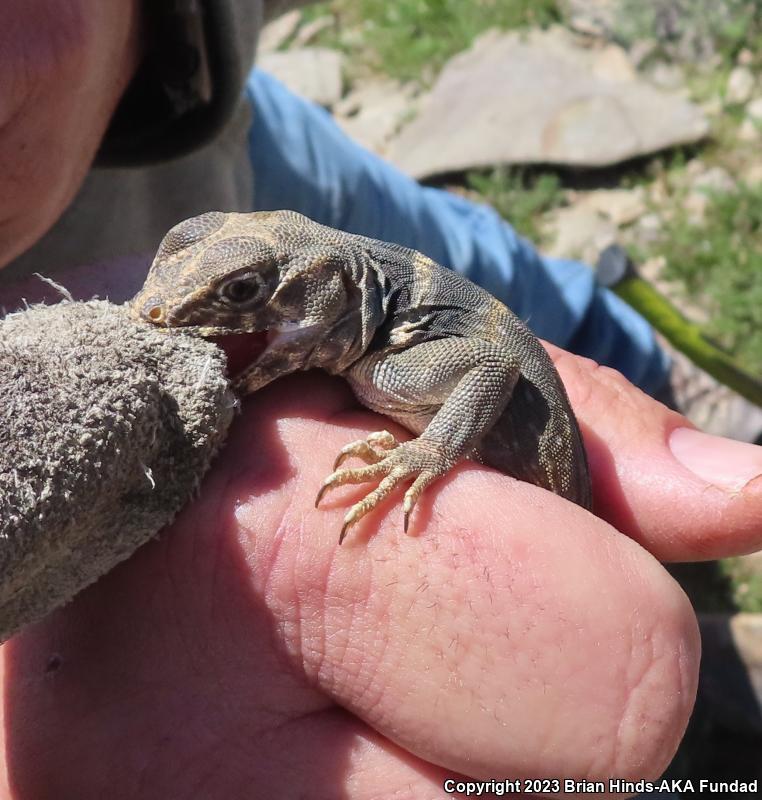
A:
<point x="412" y="39"/>
<point x="694" y="29"/>
<point x="719" y="264"/>
<point x="746" y="581"/>
<point x="519" y="196"/>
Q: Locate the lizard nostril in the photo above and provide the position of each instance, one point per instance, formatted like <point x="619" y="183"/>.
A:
<point x="156" y="313"/>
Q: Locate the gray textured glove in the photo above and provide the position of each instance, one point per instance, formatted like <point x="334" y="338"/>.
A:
<point x="106" y="429"/>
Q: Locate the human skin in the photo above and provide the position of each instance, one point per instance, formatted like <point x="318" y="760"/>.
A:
<point x="244" y="654"/>
<point x="512" y="634"/>
<point x="64" y="64"/>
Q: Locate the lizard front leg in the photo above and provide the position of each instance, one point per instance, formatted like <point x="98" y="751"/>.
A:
<point x="449" y="391"/>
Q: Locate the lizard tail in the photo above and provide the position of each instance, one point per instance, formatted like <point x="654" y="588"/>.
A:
<point x="537" y="440"/>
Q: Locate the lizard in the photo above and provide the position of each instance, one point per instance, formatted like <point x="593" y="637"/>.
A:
<point x="416" y="342"/>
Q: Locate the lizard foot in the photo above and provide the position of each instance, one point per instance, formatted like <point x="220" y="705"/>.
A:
<point x="422" y="460"/>
<point x="371" y="450"/>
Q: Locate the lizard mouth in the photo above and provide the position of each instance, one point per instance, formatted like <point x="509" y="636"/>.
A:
<point x="241" y="349"/>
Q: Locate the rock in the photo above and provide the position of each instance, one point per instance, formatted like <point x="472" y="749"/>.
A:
<point x="695" y="168"/>
<point x="753" y="175"/>
<point x="579" y="231"/>
<point x="666" y="76"/>
<point x="749" y="131"/>
<point x="590" y="17"/>
<point x="535" y="98"/>
<point x="747" y="636"/>
<point x="621" y="206"/>
<point x="740" y="86"/>
<point x="648" y="228"/>
<point x="612" y="63"/>
<point x="751" y="127"/>
<point x="373" y="112"/>
<point x="659" y="191"/>
<point x="312" y="72"/>
<point x="711" y="406"/>
<point x="652" y="268"/>
<point x="587" y="226"/>
<point x="731" y="668"/>
<point x="745" y="57"/>
<point x="695" y="205"/>
<point x="713" y="107"/>
<point x="276" y="33"/>
<point x="754" y="109"/>
<point x="640" y="51"/>
<point x="309" y="32"/>
<point x="715" y="179"/>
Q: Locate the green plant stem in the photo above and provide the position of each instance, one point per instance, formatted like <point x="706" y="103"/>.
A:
<point x="687" y="337"/>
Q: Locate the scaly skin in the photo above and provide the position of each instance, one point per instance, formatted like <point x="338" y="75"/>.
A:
<point x="415" y="341"/>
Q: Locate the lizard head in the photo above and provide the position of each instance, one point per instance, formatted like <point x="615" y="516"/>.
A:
<point x="214" y="273"/>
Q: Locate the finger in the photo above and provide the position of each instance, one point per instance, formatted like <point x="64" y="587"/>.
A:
<point x="515" y="635"/>
<point x="683" y="494"/>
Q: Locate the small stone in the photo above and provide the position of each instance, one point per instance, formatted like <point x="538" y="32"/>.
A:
<point x="659" y="191"/>
<point x="312" y="72"/>
<point x="590" y="17"/>
<point x="753" y="175"/>
<point x="749" y="131"/>
<point x="309" y="32"/>
<point x="740" y="86"/>
<point x="713" y="107"/>
<point x="732" y="694"/>
<point x="372" y="113"/>
<point x="745" y="57"/>
<point x="587" y="27"/>
<point x="715" y="179"/>
<point x="754" y="109"/>
<point x="580" y="232"/>
<point x="649" y="228"/>
<point x="695" y="205"/>
<point x="666" y="76"/>
<point x="652" y="268"/>
<point x="276" y="33"/>
<point x="621" y="206"/>
<point x="695" y="168"/>
<point x="640" y="51"/>
<point x="613" y="64"/>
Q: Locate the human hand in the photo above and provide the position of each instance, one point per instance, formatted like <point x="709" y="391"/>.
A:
<point x="512" y="635"/>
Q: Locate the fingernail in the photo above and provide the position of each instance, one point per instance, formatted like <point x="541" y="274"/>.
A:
<point x="723" y="462"/>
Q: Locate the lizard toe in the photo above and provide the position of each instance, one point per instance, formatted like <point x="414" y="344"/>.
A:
<point x="420" y="459"/>
<point x="371" y="450"/>
<point x="414" y="492"/>
<point x="371" y="500"/>
<point x="340" y="477"/>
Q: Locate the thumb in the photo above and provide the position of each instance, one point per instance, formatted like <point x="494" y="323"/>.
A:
<point x="683" y="494"/>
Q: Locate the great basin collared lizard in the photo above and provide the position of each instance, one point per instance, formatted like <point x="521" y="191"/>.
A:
<point x="416" y="342"/>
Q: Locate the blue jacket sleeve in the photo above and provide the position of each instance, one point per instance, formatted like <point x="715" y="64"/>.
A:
<point x="303" y="161"/>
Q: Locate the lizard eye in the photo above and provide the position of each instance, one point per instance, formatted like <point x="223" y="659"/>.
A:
<point x="242" y="290"/>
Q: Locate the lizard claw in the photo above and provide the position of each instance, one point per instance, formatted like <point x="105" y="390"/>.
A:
<point x="415" y="458"/>
<point x="371" y="449"/>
